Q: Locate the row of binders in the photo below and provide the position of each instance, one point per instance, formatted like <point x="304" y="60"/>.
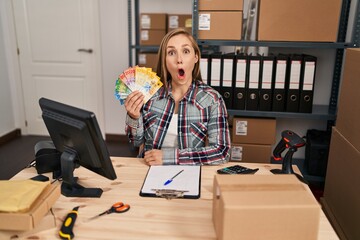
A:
<point x="280" y="83"/>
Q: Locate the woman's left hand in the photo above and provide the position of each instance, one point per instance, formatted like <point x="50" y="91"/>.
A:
<point x="153" y="157"/>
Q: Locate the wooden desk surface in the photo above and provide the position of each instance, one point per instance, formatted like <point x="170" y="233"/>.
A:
<point x="148" y="218"/>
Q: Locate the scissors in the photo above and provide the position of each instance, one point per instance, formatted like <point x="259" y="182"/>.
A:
<point x="118" y="207"/>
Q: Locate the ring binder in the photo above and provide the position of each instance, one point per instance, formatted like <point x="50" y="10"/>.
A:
<point x="240" y="81"/>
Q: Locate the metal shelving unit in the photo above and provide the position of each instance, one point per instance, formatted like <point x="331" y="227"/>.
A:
<point x="320" y="112"/>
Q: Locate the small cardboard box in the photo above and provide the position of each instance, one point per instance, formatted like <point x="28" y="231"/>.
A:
<point x="153" y="21"/>
<point x="253" y="153"/>
<point x="264" y="207"/>
<point x="341" y="193"/>
<point x="29" y="220"/>
<point x="180" y="21"/>
<point x="221" y="5"/>
<point x="148" y="60"/>
<point x="151" y="37"/>
<point x="254" y="130"/>
<point x="217" y="25"/>
<point x="295" y="20"/>
<point x="348" y="113"/>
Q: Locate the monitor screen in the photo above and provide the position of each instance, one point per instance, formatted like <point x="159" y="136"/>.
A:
<point x="76" y="135"/>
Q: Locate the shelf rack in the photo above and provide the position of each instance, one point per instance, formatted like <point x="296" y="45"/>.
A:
<point x="322" y="112"/>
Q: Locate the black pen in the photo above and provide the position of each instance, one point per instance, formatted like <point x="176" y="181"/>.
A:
<point x="171" y="179"/>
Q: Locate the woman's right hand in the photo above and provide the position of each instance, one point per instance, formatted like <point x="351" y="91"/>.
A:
<point x="133" y="104"/>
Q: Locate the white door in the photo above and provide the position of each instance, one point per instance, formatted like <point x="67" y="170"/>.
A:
<point x="58" y="43"/>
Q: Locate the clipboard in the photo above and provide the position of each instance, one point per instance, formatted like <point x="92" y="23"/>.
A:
<point x="184" y="185"/>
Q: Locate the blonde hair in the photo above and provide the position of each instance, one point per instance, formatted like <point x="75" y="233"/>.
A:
<point x="162" y="71"/>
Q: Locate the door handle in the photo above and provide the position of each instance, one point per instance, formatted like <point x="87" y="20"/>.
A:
<point x="85" y="50"/>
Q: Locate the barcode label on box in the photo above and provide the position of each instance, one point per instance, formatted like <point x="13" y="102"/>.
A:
<point x="241" y="128"/>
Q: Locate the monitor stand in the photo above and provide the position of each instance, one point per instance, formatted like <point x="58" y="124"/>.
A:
<point x="69" y="186"/>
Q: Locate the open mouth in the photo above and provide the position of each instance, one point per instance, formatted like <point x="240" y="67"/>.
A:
<point x="181" y="72"/>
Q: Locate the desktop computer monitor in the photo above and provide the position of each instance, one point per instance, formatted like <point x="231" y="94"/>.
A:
<point x="75" y="133"/>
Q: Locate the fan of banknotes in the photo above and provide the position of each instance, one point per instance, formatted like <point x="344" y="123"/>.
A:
<point x="137" y="78"/>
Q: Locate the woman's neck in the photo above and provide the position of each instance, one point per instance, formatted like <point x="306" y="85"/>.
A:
<point x="178" y="92"/>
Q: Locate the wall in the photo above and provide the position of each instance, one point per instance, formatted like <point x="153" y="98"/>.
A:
<point x="114" y="47"/>
<point x="7" y="120"/>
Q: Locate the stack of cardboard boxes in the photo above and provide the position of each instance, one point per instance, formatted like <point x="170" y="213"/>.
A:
<point x="220" y="19"/>
<point x="252" y="139"/>
<point x="153" y="27"/>
<point x="152" y="31"/>
<point x="341" y="195"/>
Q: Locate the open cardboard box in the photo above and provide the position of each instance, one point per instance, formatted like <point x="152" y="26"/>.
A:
<point x="28" y="220"/>
<point x="264" y="207"/>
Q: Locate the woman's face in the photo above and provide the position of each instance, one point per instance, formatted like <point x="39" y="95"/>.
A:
<point x="180" y="59"/>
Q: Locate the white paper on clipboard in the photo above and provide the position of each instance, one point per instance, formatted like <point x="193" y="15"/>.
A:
<point x="188" y="180"/>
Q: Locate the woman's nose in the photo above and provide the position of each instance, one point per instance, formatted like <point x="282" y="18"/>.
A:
<point x="179" y="59"/>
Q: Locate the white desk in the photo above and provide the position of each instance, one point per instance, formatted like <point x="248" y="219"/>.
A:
<point x="148" y="218"/>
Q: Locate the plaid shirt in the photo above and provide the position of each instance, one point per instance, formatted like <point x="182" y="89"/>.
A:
<point x="202" y="118"/>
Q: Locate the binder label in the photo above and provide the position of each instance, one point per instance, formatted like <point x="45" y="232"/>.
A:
<point x="254" y="74"/>
<point x="295" y="75"/>
<point x="267" y="75"/>
<point x="280" y="74"/>
<point x="227" y="73"/>
<point x="204" y="21"/>
<point x="240" y="73"/>
<point x="309" y="76"/>
<point x="241" y="127"/>
<point x="204" y="68"/>
<point x="215" y="72"/>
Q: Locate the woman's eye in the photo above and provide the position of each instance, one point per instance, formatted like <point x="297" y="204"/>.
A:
<point x="186" y="51"/>
<point x="171" y="53"/>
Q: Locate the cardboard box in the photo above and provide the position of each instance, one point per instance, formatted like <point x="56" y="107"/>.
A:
<point x="151" y="37"/>
<point x="148" y="60"/>
<point x="253" y="153"/>
<point x="348" y="113"/>
<point x="180" y="21"/>
<point x="264" y="207"/>
<point x="294" y="20"/>
<point x="341" y="193"/>
<point x="153" y="21"/>
<point x="254" y="130"/>
<point x="31" y="219"/>
<point x="221" y="5"/>
<point x="220" y="25"/>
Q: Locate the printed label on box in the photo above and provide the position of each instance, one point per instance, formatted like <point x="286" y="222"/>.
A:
<point x="145" y="21"/>
<point x="236" y="153"/>
<point x="142" y="58"/>
<point x="241" y="128"/>
<point x="173" y="21"/>
<point x="204" y="21"/>
<point x="188" y="23"/>
<point x="144" y="35"/>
